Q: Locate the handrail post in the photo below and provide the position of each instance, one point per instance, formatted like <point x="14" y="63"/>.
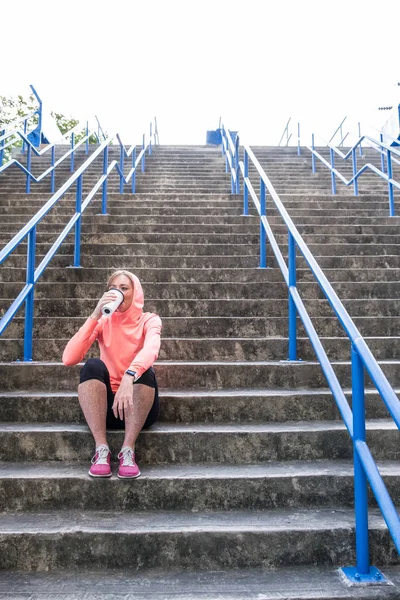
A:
<point x="72" y="167"/>
<point x="360" y="480"/>
<point x="382" y="155"/>
<point x="53" y="173"/>
<point x="2" y="143"/>
<point x="28" y="168"/>
<point x="359" y="135"/>
<point x="23" y="141"/>
<point x="143" y="155"/>
<point x="390" y="184"/>
<point x="134" y="172"/>
<point x="151" y="133"/>
<point x="87" y="137"/>
<point x="237" y="171"/>
<point x="30" y="280"/>
<point x="354" y="159"/>
<point x="332" y="173"/>
<point x="263" y="234"/>
<point x="122" y="168"/>
<point x="292" y="306"/>
<point x="105" y="182"/>
<point x="78" y="209"/>
<point x="245" y="189"/>
<point x="298" y="139"/>
<point x="314" y="170"/>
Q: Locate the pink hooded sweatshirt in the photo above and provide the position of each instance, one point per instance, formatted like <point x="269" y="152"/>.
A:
<point x="127" y="340"/>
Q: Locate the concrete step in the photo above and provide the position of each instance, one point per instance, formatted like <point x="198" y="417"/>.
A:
<point x="191" y="487"/>
<point x="221" y="327"/>
<point x="217" y="348"/>
<point x="209" y="540"/>
<point x="293" y="583"/>
<point x="54" y="376"/>
<point x="192" y="406"/>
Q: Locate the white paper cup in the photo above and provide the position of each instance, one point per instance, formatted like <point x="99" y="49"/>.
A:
<point x="110" y="307"/>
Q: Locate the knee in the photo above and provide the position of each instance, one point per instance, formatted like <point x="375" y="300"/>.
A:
<point x="94" y="368"/>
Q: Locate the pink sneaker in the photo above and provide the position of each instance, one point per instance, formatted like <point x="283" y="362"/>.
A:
<point x="101" y="462"/>
<point x="128" y="469"/>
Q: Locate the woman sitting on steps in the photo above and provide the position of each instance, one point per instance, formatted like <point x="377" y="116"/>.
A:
<point x="119" y="390"/>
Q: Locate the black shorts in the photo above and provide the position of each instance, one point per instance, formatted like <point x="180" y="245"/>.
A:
<point x="95" y="368"/>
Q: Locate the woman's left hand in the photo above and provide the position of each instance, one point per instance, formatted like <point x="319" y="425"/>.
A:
<point x="123" y="401"/>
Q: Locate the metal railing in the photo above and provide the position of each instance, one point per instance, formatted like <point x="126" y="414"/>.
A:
<point x="362" y="359"/>
<point x="54" y="164"/>
<point x="11" y="134"/>
<point x="29" y="232"/>
<point x="289" y="136"/>
<point x="384" y="151"/>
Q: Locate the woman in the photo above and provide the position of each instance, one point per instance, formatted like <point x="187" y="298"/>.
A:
<point x="119" y="390"/>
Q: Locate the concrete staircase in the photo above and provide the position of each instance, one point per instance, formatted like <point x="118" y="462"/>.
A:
<point x="246" y="489"/>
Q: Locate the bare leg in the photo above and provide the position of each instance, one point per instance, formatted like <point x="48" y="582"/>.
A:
<point x="143" y="398"/>
<point x="93" y="400"/>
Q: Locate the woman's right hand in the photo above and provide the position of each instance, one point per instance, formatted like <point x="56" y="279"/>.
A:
<point x="107" y="297"/>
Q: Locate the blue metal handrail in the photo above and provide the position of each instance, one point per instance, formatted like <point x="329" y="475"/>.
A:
<point x="29" y="231"/>
<point x="339" y="128"/>
<point x="35" y="133"/>
<point x="54" y="164"/>
<point x="365" y="468"/>
<point x="288" y="137"/>
<point x="389" y="151"/>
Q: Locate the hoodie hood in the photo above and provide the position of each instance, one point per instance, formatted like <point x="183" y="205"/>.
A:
<point x="135" y="311"/>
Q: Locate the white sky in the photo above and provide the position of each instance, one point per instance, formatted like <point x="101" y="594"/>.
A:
<point x="255" y="62"/>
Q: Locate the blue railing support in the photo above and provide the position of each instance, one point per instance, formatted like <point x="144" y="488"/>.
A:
<point x="360" y="480"/>
<point x="53" y="172"/>
<point x="390" y="184"/>
<point x="292" y="306"/>
<point x="354" y="161"/>
<point x="28" y="168"/>
<point x="359" y="135"/>
<point x="236" y="162"/>
<point x="333" y="181"/>
<point x="151" y="136"/>
<point x="382" y="156"/>
<point x="263" y="235"/>
<point x="30" y="280"/>
<point x="2" y="132"/>
<point x="78" y="210"/>
<point x="133" y="189"/>
<point x="122" y="169"/>
<point x="105" y="182"/>
<point x="245" y="188"/>
<point x="72" y="164"/>
<point x="298" y="139"/>
<point x="314" y="170"/>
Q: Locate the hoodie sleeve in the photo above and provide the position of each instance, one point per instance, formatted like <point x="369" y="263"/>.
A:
<point x="151" y="347"/>
<point x="78" y="345"/>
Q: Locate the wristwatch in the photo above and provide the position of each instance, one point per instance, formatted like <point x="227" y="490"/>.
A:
<point x="132" y="374"/>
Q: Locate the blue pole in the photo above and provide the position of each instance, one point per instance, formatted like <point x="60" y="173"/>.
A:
<point x="151" y="133"/>
<point x="360" y="480"/>
<point x="354" y="159"/>
<point x="28" y="167"/>
<point x="143" y="157"/>
<point x="87" y="137"/>
<point x="298" y="139"/>
<point x="134" y="172"/>
<point x="72" y="167"/>
<point x="53" y="173"/>
<point x="78" y="209"/>
<point x="382" y="156"/>
<point x="314" y="170"/>
<point x="292" y="306"/>
<point x="122" y="168"/>
<point x="359" y="135"/>
<point x="237" y="170"/>
<point x="390" y="185"/>
<point x="245" y="190"/>
<point x="263" y="235"/>
<point x="23" y="142"/>
<point x="2" y="132"/>
<point x="332" y="173"/>
<point x="30" y="279"/>
<point x="105" y="182"/>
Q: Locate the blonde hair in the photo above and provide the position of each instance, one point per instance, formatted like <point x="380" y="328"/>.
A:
<point x="127" y="274"/>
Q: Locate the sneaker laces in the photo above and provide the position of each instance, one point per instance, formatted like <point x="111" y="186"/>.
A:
<point x="127" y="456"/>
<point x="101" y="455"/>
